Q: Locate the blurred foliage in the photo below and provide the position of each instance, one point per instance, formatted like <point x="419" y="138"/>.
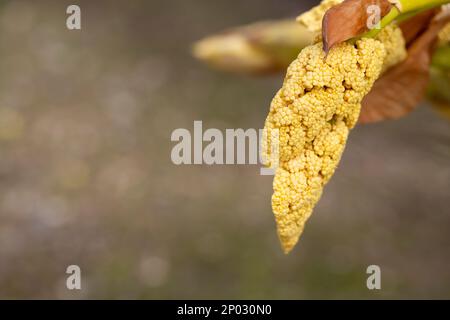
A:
<point x="439" y="89"/>
<point x="259" y="48"/>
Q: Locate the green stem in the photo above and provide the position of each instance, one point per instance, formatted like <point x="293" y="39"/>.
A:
<point x="413" y="5"/>
<point x="409" y="8"/>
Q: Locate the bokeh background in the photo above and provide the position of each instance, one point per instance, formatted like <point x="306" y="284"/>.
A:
<point x="86" y="176"/>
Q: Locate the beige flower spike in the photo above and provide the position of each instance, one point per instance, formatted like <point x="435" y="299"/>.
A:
<point x="320" y="102"/>
<point x="349" y="74"/>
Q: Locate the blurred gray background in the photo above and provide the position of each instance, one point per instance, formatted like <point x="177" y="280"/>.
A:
<point x="86" y="176"/>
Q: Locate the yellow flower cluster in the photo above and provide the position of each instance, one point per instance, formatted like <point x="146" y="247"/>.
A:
<point x="391" y="36"/>
<point x="312" y="114"/>
<point x="312" y="19"/>
<point x="394" y="43"/>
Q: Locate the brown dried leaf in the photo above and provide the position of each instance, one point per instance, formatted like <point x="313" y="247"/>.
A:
<point x="416" y="25"/>
<point x="348" y="20"/>
<point x="402" y="88"/>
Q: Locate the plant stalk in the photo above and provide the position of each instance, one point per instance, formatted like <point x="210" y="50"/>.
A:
<point x="404" y="10"/>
